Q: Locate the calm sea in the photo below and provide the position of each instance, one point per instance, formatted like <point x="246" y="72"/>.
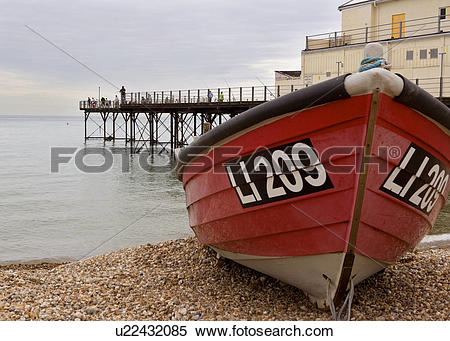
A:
<point x="68" y="215"/>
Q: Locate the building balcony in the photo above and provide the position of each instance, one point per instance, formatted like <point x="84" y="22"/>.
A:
<point x="422" y="27"/>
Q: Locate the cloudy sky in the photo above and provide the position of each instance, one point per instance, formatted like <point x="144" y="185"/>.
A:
<point x="147" y="45"/>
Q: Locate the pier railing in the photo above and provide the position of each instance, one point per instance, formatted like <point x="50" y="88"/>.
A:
<point x="403" y="29"/>
<point x="195" y="96"/>
<point x="438" y="87"/>
<point x="217" y="95"/>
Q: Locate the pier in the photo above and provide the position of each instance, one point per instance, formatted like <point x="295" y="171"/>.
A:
<point x="162" y="121"/>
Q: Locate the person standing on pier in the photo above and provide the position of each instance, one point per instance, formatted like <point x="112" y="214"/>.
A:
<point x="89" y="102"/>
<point x="123" y="95"/>
<point x="116" y="102"/>
<point x="221" y="97"/>
<point x="210" y="96"/>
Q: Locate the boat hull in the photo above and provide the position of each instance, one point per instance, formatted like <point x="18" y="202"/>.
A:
<point x="323" y="196"/>
<point x="307" y="272"/>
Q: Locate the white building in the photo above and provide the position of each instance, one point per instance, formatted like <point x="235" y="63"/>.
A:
<point x="415" y="35"/>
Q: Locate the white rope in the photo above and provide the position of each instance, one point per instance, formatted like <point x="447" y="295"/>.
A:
<point x="347" y="302"/>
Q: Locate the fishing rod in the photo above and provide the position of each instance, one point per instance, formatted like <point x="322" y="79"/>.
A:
<point x="266" y="87"/>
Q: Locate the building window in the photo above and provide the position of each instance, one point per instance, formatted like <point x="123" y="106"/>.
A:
<point x="328" y="74"/>
<point x="443" y="13"/>
<point x="433" y="53"/>
<point x="409" y="55"/>
<point x="423" y="54"/>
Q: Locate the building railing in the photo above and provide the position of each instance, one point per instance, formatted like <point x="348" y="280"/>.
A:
<point x="384" y="32"/>
<point x="438" y="87"/>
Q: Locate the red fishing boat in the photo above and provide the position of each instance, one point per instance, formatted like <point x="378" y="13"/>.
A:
<point x="325" y="186"/>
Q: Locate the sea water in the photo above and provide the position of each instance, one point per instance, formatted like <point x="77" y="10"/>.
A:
<point x="70" y="214"/>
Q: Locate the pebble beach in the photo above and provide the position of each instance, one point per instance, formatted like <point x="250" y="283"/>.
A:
<point x="183" y="280"/>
